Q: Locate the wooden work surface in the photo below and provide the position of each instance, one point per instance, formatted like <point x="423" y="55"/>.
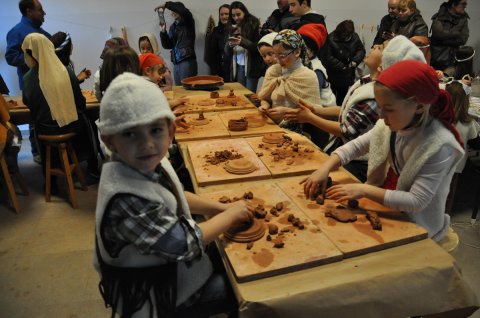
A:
<point x="355" y="238"/>
<point x="214" y="129"/>
<point x="293" y="163"/>
<point x="194" y="103"/>
<point x="269" y="126"/>
<point x="208" y="174"/>
<point x="303" y="248"/>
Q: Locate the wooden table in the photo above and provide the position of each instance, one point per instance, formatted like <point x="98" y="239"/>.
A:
<point x="415" y="279"/>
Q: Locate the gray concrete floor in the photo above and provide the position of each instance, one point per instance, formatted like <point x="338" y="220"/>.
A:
<point x="46" y="250"/>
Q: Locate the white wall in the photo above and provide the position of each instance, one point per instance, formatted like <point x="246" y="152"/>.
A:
<point x="88" y="22"/>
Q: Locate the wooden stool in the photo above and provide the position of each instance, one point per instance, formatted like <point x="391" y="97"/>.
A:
<point x="8" y="182"/>
<point x="62" y="143"/>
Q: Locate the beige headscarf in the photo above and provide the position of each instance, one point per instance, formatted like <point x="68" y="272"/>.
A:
<point x="153" y="42"/>
<point x="53" y="78"/>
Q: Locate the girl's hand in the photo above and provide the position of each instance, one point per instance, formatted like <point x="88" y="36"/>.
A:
<point x="234" y="41"/>
<point x="345" y="192"/>
<point x="277" y="111"/>
<point x="316" y="183"/>
<point x="300" y="115"/>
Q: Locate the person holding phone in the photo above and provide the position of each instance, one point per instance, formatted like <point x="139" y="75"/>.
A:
<point x="241" y="48"/>
<point x="180" y="39"/>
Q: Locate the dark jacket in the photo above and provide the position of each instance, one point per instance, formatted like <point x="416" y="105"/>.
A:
<point x="414" y="26"/>
<point x="385" y="26"/>
<point x="448" y="32"/>
<point x="181" y="35"/>
<point x="278" y="21"/>
<point x="250" y="36"/>
<point x="338" y="54"/>
<point x="309" y="18"/>
<point x="215" y="51"/>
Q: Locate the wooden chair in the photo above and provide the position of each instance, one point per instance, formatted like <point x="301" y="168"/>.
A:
<point x="65" y="150"/>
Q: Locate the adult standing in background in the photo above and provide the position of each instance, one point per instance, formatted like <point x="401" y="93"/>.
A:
<point x="449" y="32"/>
<point x="215" y="44"/>
<point x="302" y="9"/>
<point x="384" y="31"/>
<point x="342" y="54"/>
<point x="280" y="19"/>
<point x="241" y="48"/>
<point x="33" y="17"/>
<point x="180" y="39"/>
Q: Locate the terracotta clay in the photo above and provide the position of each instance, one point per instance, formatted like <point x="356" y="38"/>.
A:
<point x="237" y="124"/>
<point x="248" y="232"/>
<point x="214" y="95"/>
<point x="374" y="220"/>
<point x="222" y="156"/>
<point x="240" y="166"/>
<point x="341" y="215"/>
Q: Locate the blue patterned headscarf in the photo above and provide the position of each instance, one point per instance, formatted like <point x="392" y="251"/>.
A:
<point x="291" y="39"/>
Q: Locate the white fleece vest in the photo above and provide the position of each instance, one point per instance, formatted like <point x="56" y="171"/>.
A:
<point x="119" y="178"/>
<point x="433" y="136"/>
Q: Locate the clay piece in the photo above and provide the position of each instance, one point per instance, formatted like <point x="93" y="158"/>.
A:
<point x="272" y="229"/>
<point x="374" y="220"/>
<point x="274" y="211"/>
<point x="206" y="102"/>
<point x="224" y="199"/>
<point x="237" y="124"/>
<point x="231" y="93"/>
<point x="341" y="215"/>
<point x="320" y="199"/>
<point x="240" y="166"/>
<point x="278" y="242"/>
<point x="353" y="204"/>
<point x="221" y="102"/>
<point x="259" y="212"/>
<point x="200" y="120"/>
<point x="249" y="245"/>
<point x="214" y="95"/>
<point x="248" y="232"/>
<point x="255" y="120"/>
<point x="222" y="156"/>
<point x="273" y="138"/>
<point x="248" y="195"/>
<point x="279" y="206"/>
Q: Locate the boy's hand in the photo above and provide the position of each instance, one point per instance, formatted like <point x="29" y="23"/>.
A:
<point x="240" y="212"/>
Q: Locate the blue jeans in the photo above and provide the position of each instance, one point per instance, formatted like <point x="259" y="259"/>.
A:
<point x="184" y="69"/>
<point x="248" y="82"/>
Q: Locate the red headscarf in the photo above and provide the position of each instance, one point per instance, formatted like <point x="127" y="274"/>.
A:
<point x="415" y="78"/>
<point x="150" y="59"/>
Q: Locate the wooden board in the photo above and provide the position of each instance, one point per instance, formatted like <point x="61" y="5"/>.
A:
<point x="214" y="129"/>
<point x="294" y="163"/>
<point x="269" y="126"/>
<point x="303" y="248"/>
<point x="192" y="106"/>
<point x="356" y="238"/>
<point x="89" y="95"/>
<point x="207" y="174"/>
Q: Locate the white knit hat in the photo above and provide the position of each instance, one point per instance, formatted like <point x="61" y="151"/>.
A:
<point x="267" y="39"/>
<point x="131" y="100"/>
<point x="401" y="48"/>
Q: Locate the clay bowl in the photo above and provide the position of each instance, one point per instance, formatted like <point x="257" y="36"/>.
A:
<point x="255" y="120"/>
<point x="237" y="124"/>
<point x="248" y="232"/>
<point x="202" y="82"/>
<point x="273" y="138"/>
<point x="240" y="166"/>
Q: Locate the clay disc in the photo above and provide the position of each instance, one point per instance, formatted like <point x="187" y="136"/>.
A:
<point x="240" y="166"/>
<point x="246" y="233"/>
<point x="273" y="138"/>
<point x="200" y="122"/>
<point x="206" y="102"/>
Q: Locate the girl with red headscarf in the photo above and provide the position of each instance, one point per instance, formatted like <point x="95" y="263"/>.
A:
<point x="413" y="149"/>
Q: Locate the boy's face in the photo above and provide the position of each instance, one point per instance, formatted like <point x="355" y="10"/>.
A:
<point x="155" y="73"/>
<point x="143" y="146"/>
<point x="145" y="47"/>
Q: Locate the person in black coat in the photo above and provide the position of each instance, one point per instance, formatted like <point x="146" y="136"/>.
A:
<point x="384" y="30"/>
<point x="180" y="39"/>
<point x="449" y="32"/>
<point x="215" y="44"/>
<point x="280" y="19"/>
<point x="302" y="9"/>
<point x="342" y="53"/>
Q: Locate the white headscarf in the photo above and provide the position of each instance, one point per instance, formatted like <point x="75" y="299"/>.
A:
<point x="153" y="42"/>
<point x="53" y="79"/>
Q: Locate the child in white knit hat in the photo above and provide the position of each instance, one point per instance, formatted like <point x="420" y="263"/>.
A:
<point x="150" y="253"/>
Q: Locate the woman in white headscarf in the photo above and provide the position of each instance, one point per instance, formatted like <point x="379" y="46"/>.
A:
<point x="53" y="95"/>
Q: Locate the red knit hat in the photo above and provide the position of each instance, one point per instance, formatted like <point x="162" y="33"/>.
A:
<point x="415" y="78"/>
<point x="150" y="59"/>
<point x="313" y="35"/>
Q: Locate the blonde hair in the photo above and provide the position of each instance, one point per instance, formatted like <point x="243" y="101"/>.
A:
<point x="410" y="4"/>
